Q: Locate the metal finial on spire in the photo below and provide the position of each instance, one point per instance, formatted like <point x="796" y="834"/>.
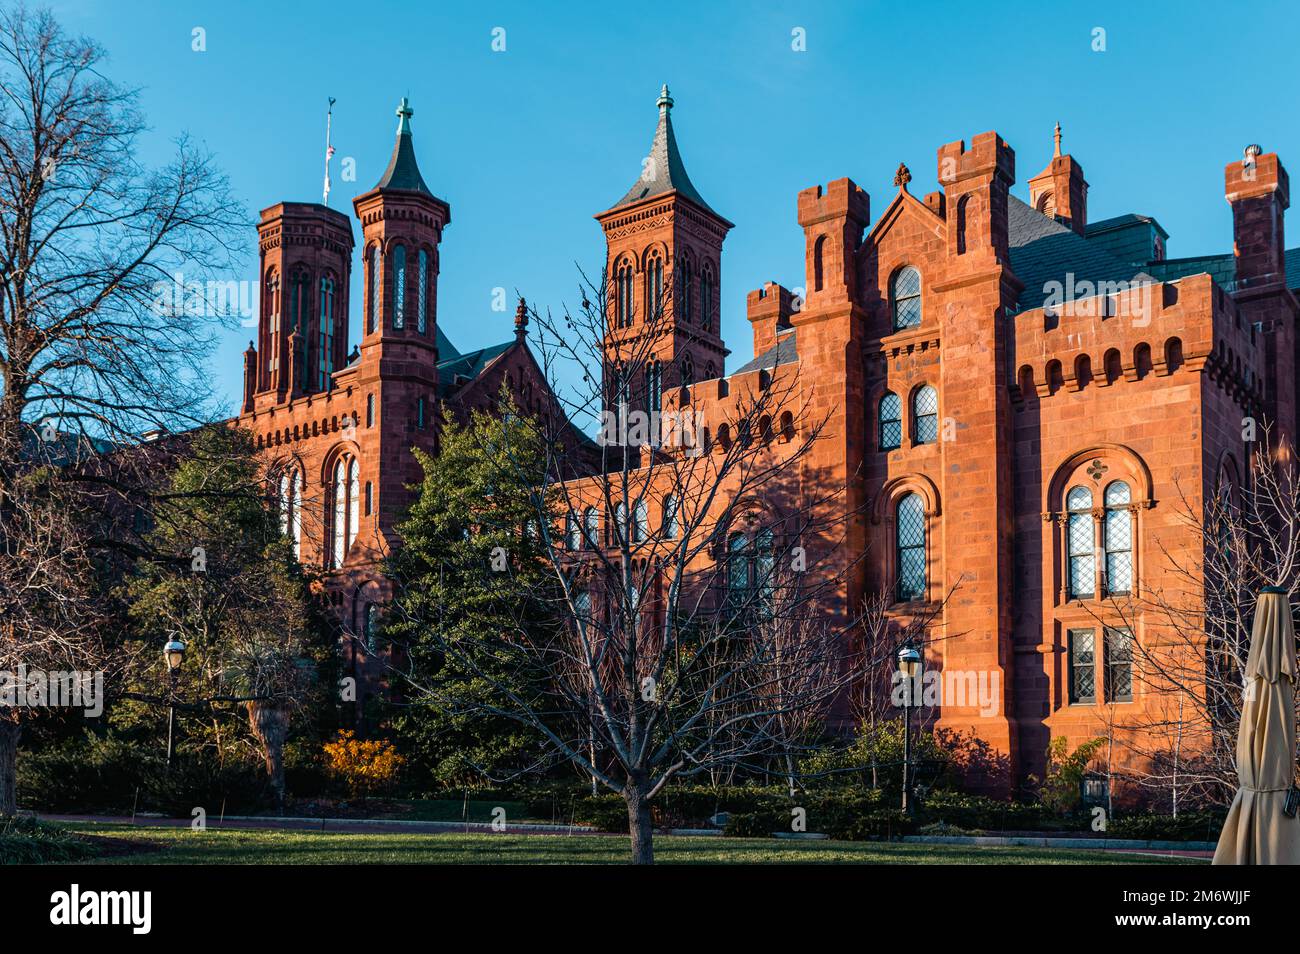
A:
<point x="1057" y="136"/>
<point x="665" y="101"/>
<point x="404" y="114"/>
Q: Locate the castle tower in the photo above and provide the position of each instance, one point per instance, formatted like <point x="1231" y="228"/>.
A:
<point x="1059" y="191"/>
<point x="306" y="260"/>
<point x="663" y="265"/>
<point x="401" y="224"/>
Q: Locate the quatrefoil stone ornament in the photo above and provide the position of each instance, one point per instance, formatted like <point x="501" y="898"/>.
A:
<point x="1096" y="469"/>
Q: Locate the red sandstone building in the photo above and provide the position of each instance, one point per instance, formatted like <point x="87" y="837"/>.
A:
<point x="1017" y="398"/>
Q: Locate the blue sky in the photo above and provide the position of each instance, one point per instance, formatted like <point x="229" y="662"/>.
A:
<point x="528" y="144"/>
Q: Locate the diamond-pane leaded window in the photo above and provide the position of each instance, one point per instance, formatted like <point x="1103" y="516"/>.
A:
<point x="905" y="292"/>
<point x="891" y="421"/>
<point x="1083" y="672"/>
<point x="1119" y="665"/>
<point x="925" y="415"/>
<point x="1119" y="539"/>
<point x="911" y="548"/>
<point x="1080" y="543"/>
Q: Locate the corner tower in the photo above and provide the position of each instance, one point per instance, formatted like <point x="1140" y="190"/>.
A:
<point x="401" y="225"/>
<point x="306" y="258"/>
<point x="663" y="267"/>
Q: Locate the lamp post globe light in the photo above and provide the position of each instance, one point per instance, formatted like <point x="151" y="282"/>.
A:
<point x="173" y="655"/>
<point x="910" y="662"/>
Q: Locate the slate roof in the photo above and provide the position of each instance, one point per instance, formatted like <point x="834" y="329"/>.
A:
<point x="1043" y="250"/>
<point x="664" y="172"/>
<point x="403" y="172"/>
<point x="1120" y="221"/>
<point x="467" y="366"/>
<point x="1223" y="268"/>
<point x="783" y="352"/>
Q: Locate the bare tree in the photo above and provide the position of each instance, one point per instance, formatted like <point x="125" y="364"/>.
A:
<point x="1191" y="665"/>
<point x="693" y="566"/>
<point x="93" y="346"/>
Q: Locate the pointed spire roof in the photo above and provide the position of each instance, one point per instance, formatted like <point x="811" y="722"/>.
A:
<point x="662" y="171"/>
<point x="402" y="171"/>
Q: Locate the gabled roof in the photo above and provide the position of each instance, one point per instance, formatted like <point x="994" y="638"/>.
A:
<point x="663" y="172"/>
<point x="1043" y="250"/>
<point x="467" y="366"/>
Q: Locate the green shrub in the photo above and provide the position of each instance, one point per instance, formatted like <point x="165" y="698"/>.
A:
<point x="1188" y="826"/>
<point x="979" y="812"/>
<point x="755" y="824"/>
<point x="26" y="841"/>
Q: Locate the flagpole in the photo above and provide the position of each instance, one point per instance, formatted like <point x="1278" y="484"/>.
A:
<point x="329" y="149"/>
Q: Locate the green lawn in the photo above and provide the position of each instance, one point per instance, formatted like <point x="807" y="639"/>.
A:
<point x="182" y="846"/>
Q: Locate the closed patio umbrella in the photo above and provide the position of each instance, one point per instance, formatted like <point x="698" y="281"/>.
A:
<point x="1256" y="832"/>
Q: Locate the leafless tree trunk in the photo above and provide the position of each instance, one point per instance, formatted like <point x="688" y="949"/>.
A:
<point x="692" y="567"/>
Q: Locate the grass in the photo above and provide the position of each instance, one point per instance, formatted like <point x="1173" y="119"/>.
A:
<point x="228" y="846"/>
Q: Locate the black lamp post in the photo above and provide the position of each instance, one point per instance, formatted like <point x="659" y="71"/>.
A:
<point x="909" y="667"/>
<point x="173" y="653"/>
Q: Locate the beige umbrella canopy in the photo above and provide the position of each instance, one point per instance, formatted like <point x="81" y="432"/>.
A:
<point x="1256" y="831"/>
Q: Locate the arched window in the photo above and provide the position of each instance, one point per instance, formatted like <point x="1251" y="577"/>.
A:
<point x="818" y="249"/>
<point x="591" y="528"/>
<point x="301" y="305"/>
<point x="655" y="286"/>
<point x="905" y="295"/>
<point x="399" y="287"/>
<point x="925" y="415"/>
<point x="291" y="508"/>
<point x="961" y="224"/>
<point x="422" y="294"/>
<point x="623" y="295"/>
<point x="1047" y="204"/>
<point x="710" y="372"/>
<point x="370" y="498"/>
<point x="572" y="531"/>
<point x="706" y="298"/>
<point x="582" y="610"/>
<point x="1118" y="537"/>
<point x="272" y="306"/>
<point x="654" y="398"/>
<point x="738" y="566"/>
<point x="910" y="548"/>
<point x="340" y="518"/>
<point x="370" y="410"/>
<point x="373" y="316"/>
<point x="640" y="522"/>
<point x="688" y="370"/>
<point x="325" y="360"/>
<point x="891" y="421"/>
<point x="1081" y="543"/>
<point x="686" y="291"/>
<point x="354" y="499"/>
<point x="671" y="526"/>
<point x="620" y="524"/>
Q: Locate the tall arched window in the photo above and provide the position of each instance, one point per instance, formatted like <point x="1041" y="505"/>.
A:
<point x="582" y="610"/>
<point x="688" y="370"/>
<point x="905" y="296"/>
<point x="591" y="528"/>
<point x="738" y="566"/>
<point x="422" y="294"/>
<point x="572" y="531"/>
<point x="706" y="298"/>
<point x="1080" y="543"/>
<point x="818" y="250"/>
<point x="373" y="267"/>
<point x="272" y="306"/>
<point x="891" y="421"/>
<point x="301" y="301"/>
<point x="640" y="522"/>
<point x="371" y="626"/>
<point x="961" y="224"/>
<point x="623" y="295"/>
<point x="340" y="518"/>
<point x="1118" y="538"/>
<point x="654" y="286"/>
<point x="620" y="523"/>
<point x="925" y="415"/>
<point x="910" y="548"/>
<point x="295" y="514"/>
<point x="671" y="526"/>
<point x="399" y="287"/>
<point x="370" y="410"/>
<point x="354" y="499"/>
<point x="685" y="290"/>
<point x="325" y="360"/>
